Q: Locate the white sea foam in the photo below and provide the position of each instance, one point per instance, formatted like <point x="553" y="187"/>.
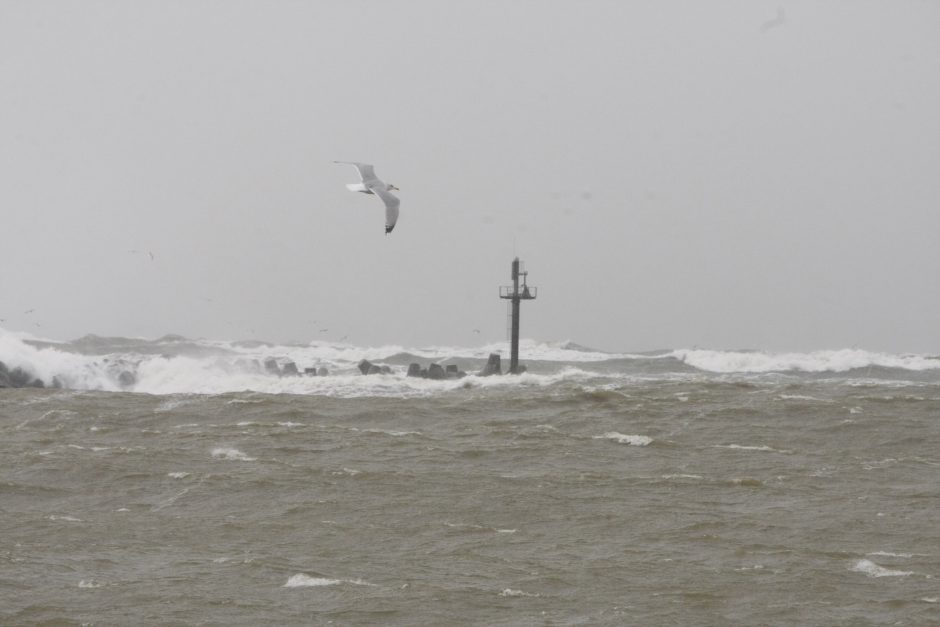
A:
<point x="301" y="580"/>
<point x="177" y="475"/>
<point x="91" y="583"/>
<point x="73" y="370"/>
<point x="396" y="434"/>
<point x="509" y="592"/>
<point x="620" y="438"/>
<point x="817" y="361"/>
<point x="65" y="518"/>
<point x="882" y="463"/>
<point x="890" y="554"/>
<point x="872" y="569"/>
<point x="350" y="472"/>
<point x="232" y="454"/>
<point x="742" y="447"/>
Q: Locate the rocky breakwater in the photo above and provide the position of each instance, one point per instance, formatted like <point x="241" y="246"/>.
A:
<point x="433" y="371"/>
<point x="289" y="369"/>
<point x="18" y="378"/>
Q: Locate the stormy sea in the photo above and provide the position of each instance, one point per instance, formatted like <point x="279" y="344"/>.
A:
<point x="196" y="482"/>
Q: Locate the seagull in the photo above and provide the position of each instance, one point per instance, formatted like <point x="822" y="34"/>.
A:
<point x="371" y="184"/>
<point x="777" y="21"/>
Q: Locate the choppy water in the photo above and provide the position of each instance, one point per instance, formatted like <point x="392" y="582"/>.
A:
<point x="685" y="487"/>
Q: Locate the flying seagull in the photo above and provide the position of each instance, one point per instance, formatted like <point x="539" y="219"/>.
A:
<point x="777" y="21"/>
<point x="371" y="184"/>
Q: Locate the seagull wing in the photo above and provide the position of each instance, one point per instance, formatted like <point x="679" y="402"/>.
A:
<point x="391" y="207"/>
<point x="366" y="173"/>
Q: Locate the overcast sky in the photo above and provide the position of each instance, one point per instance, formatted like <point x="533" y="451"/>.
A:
<point x="728" y="174"/>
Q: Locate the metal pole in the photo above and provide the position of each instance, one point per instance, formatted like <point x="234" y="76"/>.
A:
<point x="514" y="346"/>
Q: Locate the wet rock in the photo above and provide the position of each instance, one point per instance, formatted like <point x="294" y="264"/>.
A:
<point x="322" y="372"/>
<point x="414" y="370"/>
<point x="290" y="370"/>
<point x="19" y="378"/>
<point x="127" y="379"/>
<point x="37" y="383"/>
<point x="386" y="369"/>
<point x="310" y="372"/>
<point x="453" y="372"/>
<point x="373" y="369"/>
<point x="436" y="371"/>
<point x="270" y="366"/>
<point x="492" y="366"/>
<point x="364" y="366"/>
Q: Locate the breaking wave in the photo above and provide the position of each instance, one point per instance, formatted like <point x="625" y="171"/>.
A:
<point x="817" y="361"/>
<point x="176" y="365"/>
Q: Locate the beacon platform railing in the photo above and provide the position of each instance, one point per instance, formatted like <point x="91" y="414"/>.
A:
<point x="525" y="292"/>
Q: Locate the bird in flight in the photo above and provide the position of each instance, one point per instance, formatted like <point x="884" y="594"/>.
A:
<point x="371" y="184"/>
<point x="777" y="21"/>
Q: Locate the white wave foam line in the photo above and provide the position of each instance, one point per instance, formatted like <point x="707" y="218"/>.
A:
<point x="91" y="583"/>
<point x="621" y="438"/>
<point x="890" y="554"/>
<point x="189" y="376"/>
<point x="817" y="361"/>
<point x="231" y="454"/>
<point x="800" y="397"/>
<point x="394" y="434"/>
<point x="75" y="371"/>
<point x="338" y="353"/>
<point x="301" y="580"/>
<point x="872" y="569"/>
<point x="742" y="447"/>
<point x="177" y="475"/>
<point x="509" y="592"/>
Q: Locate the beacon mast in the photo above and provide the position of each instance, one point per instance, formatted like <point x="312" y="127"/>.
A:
<point x="516" y="295"/>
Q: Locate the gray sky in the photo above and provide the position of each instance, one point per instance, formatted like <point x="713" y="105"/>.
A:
<point x="672" y="173"/>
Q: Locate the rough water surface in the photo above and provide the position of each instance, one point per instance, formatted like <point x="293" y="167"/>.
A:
<point x="682" y="487"/>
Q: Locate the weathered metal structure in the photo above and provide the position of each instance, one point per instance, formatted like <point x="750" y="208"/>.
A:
<point x="516" y="295"/>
